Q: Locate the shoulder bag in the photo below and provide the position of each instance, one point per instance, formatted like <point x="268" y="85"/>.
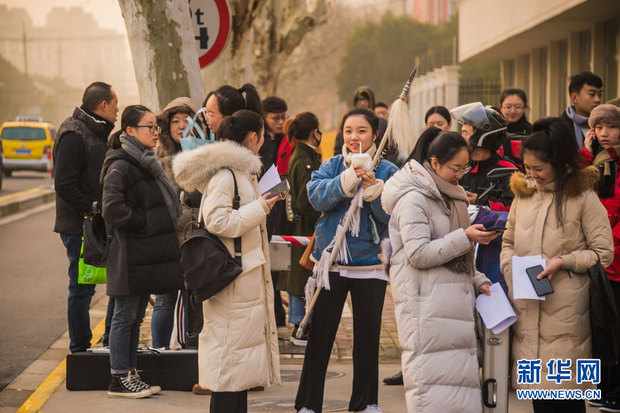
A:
<point x="207" y="265"/>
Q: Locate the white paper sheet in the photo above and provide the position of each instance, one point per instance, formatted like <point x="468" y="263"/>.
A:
<point x="270" y="179"/>
<point x="495" y="309"/>
<point x="522" y="288"/>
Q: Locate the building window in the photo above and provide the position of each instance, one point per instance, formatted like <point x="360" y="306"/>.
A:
<point x="610" y="74"/>
<point x="585" y="51"/>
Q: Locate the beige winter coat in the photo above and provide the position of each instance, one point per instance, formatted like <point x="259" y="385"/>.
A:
<point x="238" y="346"/>
<point x="558" y="327"/>
<point x="434" y="306"/>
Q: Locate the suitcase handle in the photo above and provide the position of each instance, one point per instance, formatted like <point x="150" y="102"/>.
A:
<point x="492" y="384"/>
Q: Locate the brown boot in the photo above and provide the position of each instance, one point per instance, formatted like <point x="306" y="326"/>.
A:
<point x="200" y="391"/>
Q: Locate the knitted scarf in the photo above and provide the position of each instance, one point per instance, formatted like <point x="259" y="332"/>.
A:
<point x="580" y="124"/>
<point x="148" y="160"/>
<point x="457" y="202"/>
<point x="607" y="161"/>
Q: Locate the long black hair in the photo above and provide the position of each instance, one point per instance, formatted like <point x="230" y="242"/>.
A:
<point x="434" y="143"/>
<point x="552" y="142"/>
<point x="236" y="127"/>
<point x="520" y="93"/>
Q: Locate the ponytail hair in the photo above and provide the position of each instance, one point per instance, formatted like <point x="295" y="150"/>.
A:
<point x="445" y="146"/>
<point x="420" y="151"/>
<point x="551" y="141"/>
<point x="132" y="115"/>
<point x="302" y="126"/>
<point x="236" y="127"/>
<point x="230" y="99"/>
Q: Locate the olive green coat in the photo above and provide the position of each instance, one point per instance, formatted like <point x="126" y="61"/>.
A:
<point x="303" y="161"/>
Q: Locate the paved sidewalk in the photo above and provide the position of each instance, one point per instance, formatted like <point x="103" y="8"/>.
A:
<point x="41" y="387"/>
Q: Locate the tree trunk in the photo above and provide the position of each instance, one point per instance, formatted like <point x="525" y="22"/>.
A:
<point x="264" y="34"/>
<point x="165" y="59"/>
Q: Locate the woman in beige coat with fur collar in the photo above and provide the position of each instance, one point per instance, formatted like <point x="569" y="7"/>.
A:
<point x="238" y="346"/>
<point x="556" y="214"/>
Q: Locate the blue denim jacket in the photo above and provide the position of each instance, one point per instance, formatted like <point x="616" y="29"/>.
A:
<point x="326" y="195"/>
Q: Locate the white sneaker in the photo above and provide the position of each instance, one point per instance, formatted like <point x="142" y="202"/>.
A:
<point x="372" y="408"/>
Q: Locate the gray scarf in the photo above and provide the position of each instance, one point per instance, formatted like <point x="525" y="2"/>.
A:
<point x="148" y="160"/>
<point x="457" y="201"/>
<point x="580" y="124"/>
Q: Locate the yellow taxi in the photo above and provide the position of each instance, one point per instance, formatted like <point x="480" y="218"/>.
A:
<point x="26" y="144"/>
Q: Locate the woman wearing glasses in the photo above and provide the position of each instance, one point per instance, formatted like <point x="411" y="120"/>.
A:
<point x="434" y="280"/>
<point x="513" y="104"/>
<point x="141" y="208"/>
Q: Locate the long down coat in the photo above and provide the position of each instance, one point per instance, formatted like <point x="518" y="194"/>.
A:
<point x="238" y="346"/>
<point x="559" y="326"/>
<point x="434" y="306"/>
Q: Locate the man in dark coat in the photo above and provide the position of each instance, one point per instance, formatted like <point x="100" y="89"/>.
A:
<point x="79" y="151"/>
<point x="586" y="90"/>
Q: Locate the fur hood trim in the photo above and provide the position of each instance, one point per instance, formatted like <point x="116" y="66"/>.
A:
<point x="579" y="182"/>
<point x="193" y="169"/>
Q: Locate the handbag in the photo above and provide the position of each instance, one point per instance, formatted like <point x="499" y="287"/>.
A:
<point x="207" y="265"/>
<point x="89" y="274"/>
<point x="305" y="260"/>
<point x="95" y="242"/>
<point x="603" y="317"/>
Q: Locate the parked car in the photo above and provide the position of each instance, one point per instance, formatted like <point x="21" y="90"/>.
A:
<point x="26" y="144"/>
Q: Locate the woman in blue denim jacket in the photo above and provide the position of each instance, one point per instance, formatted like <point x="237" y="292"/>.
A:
<point x="331" y="191"/>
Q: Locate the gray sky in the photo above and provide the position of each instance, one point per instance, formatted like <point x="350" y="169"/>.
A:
<point x="106" y="12"/>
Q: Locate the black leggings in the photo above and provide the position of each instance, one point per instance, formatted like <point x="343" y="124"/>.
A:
<point x="229" y="402"/>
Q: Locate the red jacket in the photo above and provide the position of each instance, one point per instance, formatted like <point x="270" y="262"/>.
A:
<point x="284" y="155"/>
<point x="612" y="204"/>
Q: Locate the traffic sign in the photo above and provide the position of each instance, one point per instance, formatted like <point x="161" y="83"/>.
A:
<point x="212" y="22"/>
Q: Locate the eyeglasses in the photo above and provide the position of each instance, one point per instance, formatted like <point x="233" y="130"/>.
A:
<point x="516" y="108"/>
<point x="461" y="171"/>
<point x="153" y="128"/>
<point x="319" y="132"/>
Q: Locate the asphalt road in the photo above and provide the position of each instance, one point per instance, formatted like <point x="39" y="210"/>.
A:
<point x="23" y="180"/>
<point x="33" y="290"/>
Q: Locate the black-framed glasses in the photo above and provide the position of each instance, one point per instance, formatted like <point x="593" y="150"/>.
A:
<point x="153" y="128"/>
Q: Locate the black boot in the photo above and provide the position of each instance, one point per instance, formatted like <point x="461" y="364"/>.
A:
<point x="395" y="380"/>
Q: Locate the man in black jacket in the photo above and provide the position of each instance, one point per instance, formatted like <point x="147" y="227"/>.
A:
<point x="79" y="152"/>
<point x="585" y="90"/>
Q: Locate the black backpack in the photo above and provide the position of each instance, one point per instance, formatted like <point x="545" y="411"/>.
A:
<point x="207" y="265"/>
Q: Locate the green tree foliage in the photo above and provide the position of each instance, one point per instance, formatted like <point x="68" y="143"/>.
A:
<point x="381" y="55"/>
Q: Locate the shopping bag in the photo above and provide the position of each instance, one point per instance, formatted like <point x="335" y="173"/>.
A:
<point x="89" y="274"/>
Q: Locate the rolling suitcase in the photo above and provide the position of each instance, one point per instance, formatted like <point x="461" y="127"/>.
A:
<point x="495" y="371"/>
<point x="170" y="369"/>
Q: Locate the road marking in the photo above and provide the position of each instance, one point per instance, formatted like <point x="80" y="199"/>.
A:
<point x="42" y="394"/>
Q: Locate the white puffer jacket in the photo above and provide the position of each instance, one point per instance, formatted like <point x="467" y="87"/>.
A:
<point x="238" y="346"/>
<point x="434" y="305"/>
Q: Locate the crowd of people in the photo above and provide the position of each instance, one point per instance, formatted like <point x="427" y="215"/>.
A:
<point x="555" y="186"/>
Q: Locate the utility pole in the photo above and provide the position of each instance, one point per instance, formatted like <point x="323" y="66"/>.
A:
<point x="24" y="40"/>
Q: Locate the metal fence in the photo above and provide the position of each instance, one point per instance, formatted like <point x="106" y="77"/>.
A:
<point x="485" y="90"/>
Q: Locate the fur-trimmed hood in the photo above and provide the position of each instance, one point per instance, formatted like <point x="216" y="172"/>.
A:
<point x="580" y="181"/>
<point x="193" y="169"/>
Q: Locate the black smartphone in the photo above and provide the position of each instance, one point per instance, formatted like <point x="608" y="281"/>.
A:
<point x="542" y="286"/>
<point x="495" y="228"/>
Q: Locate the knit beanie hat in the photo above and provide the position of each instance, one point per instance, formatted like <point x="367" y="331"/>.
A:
<point x="605" y="114"/>
<point x="180" y="101"/>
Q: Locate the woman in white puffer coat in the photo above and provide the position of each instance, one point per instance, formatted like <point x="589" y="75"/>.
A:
<point x="238" y="346"/>
<point x="434" y="280"/>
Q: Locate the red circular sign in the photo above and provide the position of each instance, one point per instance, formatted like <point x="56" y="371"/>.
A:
<point x="209" y="16"/>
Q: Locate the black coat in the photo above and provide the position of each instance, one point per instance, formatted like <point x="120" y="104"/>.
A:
<point x="144" y="253"/>
<point x="79" y="151"/>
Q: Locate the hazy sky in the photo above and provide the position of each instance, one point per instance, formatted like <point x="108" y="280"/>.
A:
<point x="106" y="12"/>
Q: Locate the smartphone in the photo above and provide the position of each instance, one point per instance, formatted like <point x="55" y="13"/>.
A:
<point x="280" y="189"/>
<point x="495" y="228"/>
<point x="542" y="286"/>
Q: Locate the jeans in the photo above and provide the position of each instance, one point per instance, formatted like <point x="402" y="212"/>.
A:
<point x="80" y="296"/>
<point x="162" y="320"/>
<point x="296" y="309"/>
<point x="125" y="332"/>
<point x="108" y="322"/>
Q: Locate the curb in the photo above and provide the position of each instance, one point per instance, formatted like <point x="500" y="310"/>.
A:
<point x="22" y="201"/>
